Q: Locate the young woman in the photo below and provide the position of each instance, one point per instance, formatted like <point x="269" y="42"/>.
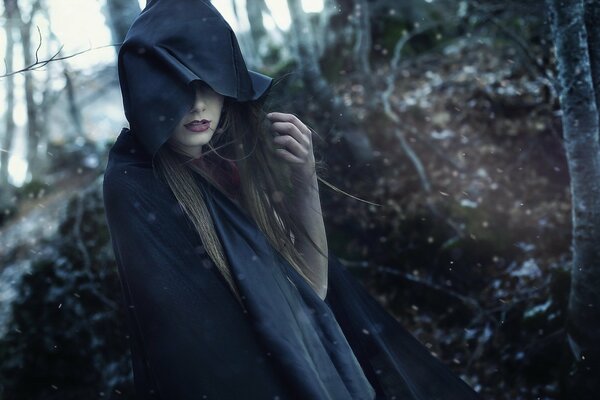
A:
<point x="195" y="139"/>
<point x="215" y="219"/>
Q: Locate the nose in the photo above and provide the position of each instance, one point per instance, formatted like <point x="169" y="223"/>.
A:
<point x="199" y="104"/>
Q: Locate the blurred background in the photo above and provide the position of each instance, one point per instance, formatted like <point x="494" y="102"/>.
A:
<point x="444" y="113"/>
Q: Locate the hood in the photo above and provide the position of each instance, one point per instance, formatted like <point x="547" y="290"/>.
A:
<point x="169" y="45"/>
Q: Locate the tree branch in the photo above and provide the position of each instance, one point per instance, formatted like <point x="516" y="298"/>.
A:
<point x="40" y="64"/>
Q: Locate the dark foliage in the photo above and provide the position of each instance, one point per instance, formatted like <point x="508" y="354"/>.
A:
<point x="491" y="297"/>
<point x="67" y="338"/>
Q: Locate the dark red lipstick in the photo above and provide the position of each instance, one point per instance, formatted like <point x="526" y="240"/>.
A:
<point x="198" y="126"/>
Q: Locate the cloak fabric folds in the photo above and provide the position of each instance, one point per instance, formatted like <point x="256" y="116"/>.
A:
<point x="190" y="339"/>
<point x="189" y="336"/>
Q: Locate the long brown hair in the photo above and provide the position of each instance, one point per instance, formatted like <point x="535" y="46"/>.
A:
<point x="266" y="186"/>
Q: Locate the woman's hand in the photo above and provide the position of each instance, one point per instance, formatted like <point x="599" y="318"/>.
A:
<point x="293" y="143"/>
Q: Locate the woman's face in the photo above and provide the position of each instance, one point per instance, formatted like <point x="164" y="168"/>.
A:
<point x="197" y="127"/>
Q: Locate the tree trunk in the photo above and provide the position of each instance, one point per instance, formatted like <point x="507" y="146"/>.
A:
<point x="50" y="97"/>
<point x="33" y="127"/>
<point x="258" y="32"/>
<point x="74" y="111"/>
<point x="581" y="131"/>
<point x="9" y="133"/>
<point x="324" y="33"/>
<point x="592" y="25"/>
<point x="245" y="41"/>
<point x="362" y="46"/>
<point x="308" y="63"/>
<point x="33" y="134"/>
<point x="120" y="15"/>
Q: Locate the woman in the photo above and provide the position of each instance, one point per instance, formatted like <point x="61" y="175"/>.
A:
<point x="291" y="143"/>
<point x="215" y="220"/>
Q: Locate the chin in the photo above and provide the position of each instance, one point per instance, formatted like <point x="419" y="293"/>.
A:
<point x="198" y="142"/>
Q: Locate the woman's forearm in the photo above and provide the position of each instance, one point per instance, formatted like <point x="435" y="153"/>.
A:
<point x="308" y="207"/>
<point x="292" y="142"/>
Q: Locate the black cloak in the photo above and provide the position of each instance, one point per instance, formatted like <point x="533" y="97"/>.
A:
<point x="190" y="338"/>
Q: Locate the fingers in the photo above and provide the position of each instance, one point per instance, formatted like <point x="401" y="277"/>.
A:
<point x="290" y="143"/>
<point x="289" y="123"/>
<point x="286" y="155"/>
<point x="289" y="129"/>
<point x="291" y="137"/>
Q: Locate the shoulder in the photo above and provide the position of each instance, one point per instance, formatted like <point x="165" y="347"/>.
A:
<point x="130" y="181"/>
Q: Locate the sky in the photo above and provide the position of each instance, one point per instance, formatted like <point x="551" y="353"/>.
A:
<point x="80" y="25"/>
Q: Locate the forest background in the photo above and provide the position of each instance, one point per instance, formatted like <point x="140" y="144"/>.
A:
<point x="466" y="130"/>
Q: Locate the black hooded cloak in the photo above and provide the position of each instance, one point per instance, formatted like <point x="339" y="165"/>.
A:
<point x="190" y="338"/>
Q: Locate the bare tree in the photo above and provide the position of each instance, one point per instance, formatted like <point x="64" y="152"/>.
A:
<point x="324" y="33"/>
<point x="316" y="84"/>
<point x="50" y="96"/>
<point x="575" y="34"/>
<point x="592" y="19"/>
<point x="33" y="123"/>
<point x="258" y="33"/>
<point x="9" y="132"/>
<point x="362" y="46"/>
<point x="120" y="15"/>
<point x="74" y="108"/>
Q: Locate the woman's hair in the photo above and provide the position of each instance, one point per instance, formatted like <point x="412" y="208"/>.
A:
<point x="266" y="190"/>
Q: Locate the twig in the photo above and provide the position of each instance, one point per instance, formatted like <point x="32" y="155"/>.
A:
<point x="39" y="45"/>
<point x="436" y="150"/>
<point x="540" y="70"/>
<point x="39" y="64"/>
<point x="472" y="303"/>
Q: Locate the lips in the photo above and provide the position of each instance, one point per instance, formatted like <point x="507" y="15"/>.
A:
<point x="196" y="122"/>
<point x="198" y="126"/>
